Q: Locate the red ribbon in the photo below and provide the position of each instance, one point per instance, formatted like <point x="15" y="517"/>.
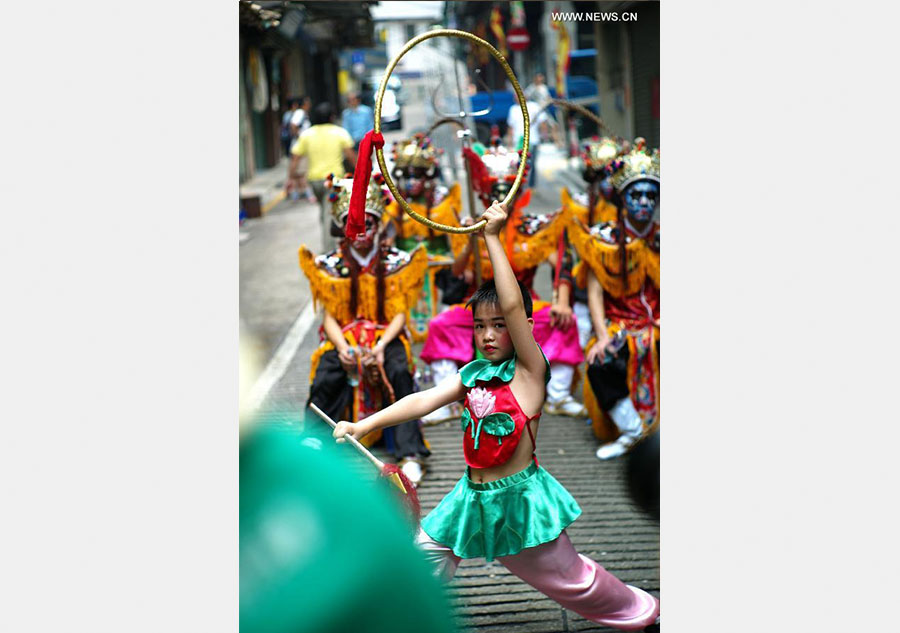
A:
<point x="477" y="169"/>
<point x="356" y="218"/>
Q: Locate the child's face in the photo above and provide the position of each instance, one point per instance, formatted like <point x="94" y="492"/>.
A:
<point x="491" y="336"/>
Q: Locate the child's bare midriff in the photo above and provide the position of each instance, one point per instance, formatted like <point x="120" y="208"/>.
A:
<point x="520" y="460"/>
<point x="521" y="457"/>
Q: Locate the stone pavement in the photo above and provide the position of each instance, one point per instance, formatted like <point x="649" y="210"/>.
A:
<point x="490" y="600"/>
<point x="611" y="530"/>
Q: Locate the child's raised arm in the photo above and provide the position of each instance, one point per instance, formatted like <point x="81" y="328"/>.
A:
<point x="411" y="407"/>
<point x="530" y="358"/>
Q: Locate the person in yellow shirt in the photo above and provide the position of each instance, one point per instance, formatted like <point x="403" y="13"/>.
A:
<point x="325" y="146"/>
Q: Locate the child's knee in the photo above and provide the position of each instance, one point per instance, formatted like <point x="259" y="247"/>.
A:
<point x="441" y="557"/>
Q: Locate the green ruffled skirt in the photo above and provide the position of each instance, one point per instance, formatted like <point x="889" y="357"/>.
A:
<point x="503" y="517"/>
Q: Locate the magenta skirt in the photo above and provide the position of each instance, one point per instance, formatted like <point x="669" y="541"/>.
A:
<point x="450" y="337"/>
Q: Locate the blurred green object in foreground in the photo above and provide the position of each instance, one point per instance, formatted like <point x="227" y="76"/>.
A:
<point x="324" y="547"/>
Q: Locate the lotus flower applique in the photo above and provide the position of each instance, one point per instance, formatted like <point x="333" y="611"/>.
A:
<point x="482" y="402"/>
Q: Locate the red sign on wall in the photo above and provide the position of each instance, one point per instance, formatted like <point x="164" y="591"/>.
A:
<point x="518" y="39"/>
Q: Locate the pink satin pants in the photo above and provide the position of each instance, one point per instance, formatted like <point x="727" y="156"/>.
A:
<point x="574" y="581"/>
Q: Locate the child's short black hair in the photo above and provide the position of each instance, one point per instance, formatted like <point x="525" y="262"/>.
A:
<point x="487" y="293"/>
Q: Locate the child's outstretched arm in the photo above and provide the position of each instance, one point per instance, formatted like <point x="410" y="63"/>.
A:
<point x="530" y="358"/>
<point x="410" y="407"/>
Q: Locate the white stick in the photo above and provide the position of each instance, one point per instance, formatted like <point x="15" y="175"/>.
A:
<point x="362" y="449"/>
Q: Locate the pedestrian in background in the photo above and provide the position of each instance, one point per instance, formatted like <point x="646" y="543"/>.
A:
<point x="300" y="121"/>
<point x="538" y="92"/>
<point x="325" y="146"/>
<point x="287" y="134"/>
<point x="515" y="131"/>
<point x="357" y="118"/>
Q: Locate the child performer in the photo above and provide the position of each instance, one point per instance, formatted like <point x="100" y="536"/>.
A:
<point x="506" y="506"/>
<point x="529" y="240"/>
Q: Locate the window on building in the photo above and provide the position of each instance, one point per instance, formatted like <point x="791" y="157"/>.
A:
<point x="410" y="31"/>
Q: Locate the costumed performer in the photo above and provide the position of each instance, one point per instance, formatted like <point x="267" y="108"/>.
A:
<point x="507" y="507"/>
<point x="529" y="240"/>
<point x="620" y="268"/>
<point x="417" y="176"/>
<point x="597" y="153"/>
<point x="366" y="287"/>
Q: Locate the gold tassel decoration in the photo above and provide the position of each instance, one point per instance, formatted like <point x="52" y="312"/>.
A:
<point x="445" y="212"/>
<point x="330" y="293"/>
<point x="651" y="264"/>
<point x="579" y="273"/>
<point x="458" y="242"/>
<point x="605" y="260"/>
<point x="604" y="211"/>
<point x="529" y="251"/>
<point x="333" y="293"/>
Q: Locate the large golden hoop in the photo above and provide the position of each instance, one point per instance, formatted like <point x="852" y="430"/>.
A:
<point x="379" y="153"/>
<point x="445" y="121"/>
<point x="568" y="105"/>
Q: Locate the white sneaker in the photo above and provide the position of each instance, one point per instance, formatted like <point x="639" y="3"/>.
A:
<point x="446" y="412"/>
<point x="566" y="406"/>
<point x="413" y="471"/>
<point x="615" y="449"/>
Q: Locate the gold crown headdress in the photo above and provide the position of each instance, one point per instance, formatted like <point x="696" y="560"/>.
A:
<point x="600" y="152"/>
<point x="500" y="162"/>
<point x="417" y="151"/>
<point x="500" y="167"/>
<point x="377" y="197"/>
<point x="638" y="164"/>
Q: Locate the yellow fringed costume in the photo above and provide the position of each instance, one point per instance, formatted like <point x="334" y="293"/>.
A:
<point x="345" y="284"/>
<point x="363" y="329"/>
<point x="529" y="239"/>
<point x="333" y="292"/>
<point x="445" y="212"/>
<point x="630" y="299"/>
<point x="604" y="211"/>
<point x="409" y="232"/>
<point x="605" y="259"/>
<point x="416" y="169"/>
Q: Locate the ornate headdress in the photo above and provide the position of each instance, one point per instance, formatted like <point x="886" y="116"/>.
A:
<point x="377" y="197"/>
<point x="417" y="151"/>
<point x="600" y="152"/>
<point x="500" y="167"/>
<point x="638" y="164"/>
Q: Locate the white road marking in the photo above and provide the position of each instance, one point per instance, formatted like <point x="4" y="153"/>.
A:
<point x="282" y="357"/>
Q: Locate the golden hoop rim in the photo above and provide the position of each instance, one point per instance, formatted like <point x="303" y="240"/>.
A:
<point x="379" y="152"/>
<point x="580" y="109"/>
<point x="444" y="121"/>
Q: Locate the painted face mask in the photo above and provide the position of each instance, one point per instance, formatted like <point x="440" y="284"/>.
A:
<point x="415" y="187"/>
<point x="641" y="200"/>
<point x="369" y="238"/>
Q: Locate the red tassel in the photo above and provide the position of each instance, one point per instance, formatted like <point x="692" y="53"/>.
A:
<point x="356" y="218"/>
<point x="478" y="170"/>
<point x="411" y="498"/>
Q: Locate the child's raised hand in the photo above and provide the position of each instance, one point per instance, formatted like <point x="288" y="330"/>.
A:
<point x="496" y="218"/>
